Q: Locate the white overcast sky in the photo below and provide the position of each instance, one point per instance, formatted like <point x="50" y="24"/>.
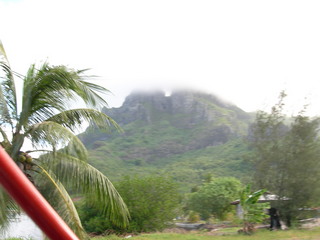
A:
<point x="244" y="51"/>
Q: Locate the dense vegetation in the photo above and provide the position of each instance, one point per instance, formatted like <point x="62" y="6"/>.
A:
<point x="286" y="159"/>
<point x="187" y="136"/>
<point x="213" y="198"/>
<point x="204" y="140"/>
<point x="153" y="202"/>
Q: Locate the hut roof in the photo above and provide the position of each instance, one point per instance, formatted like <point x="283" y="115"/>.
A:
<point x="266" y="197"/>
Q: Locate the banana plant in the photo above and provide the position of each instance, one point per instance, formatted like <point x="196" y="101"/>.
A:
<point x="252" y="212"/>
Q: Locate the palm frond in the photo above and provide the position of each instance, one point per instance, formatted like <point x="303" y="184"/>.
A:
<point x="3" y="52"/>
<point x="27" y="96"/>
<point x="89" y="92"/>
<point x="8" y="210"/>
<point x="43" y="96"/>
<point x="60" y="200"/>
<point x="4" y="135"/>
<point x="5" y="117"/>
<point x="51" y="134"/>
<point x="73" y="118"/>
<point x="91" y="181"/>
<point x="8" y="89"/>
<point x="48" y="90"/>
<point x="8" y="101"/>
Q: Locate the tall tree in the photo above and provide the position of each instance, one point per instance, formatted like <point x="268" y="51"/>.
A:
<point x="287" y="158"/>
<point x="44" y="117"/>
<point x="266" y="138"/>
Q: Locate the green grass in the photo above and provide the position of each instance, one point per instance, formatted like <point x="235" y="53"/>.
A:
<point x="225" y="234"/>
<point x="313" y="234"/>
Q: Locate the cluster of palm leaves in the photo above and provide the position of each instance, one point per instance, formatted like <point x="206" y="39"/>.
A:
<point x="43" y="116"/>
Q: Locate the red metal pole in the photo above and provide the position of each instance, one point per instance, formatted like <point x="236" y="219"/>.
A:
<point x="31" y="201"/>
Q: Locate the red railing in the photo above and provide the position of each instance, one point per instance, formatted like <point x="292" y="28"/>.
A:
<point x="31" y="201"/>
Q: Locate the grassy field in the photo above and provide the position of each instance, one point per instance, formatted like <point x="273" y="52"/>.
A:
<point x="225" y="234"/>
<point x="313" y="234"/>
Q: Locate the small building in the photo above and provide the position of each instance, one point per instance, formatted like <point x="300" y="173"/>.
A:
<point x="266" y="197"/>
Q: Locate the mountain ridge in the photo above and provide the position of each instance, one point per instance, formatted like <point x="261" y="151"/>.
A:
<point x="161" y="131"/>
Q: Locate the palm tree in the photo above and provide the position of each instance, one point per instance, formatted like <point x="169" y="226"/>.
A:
<point x="46" y="121"/>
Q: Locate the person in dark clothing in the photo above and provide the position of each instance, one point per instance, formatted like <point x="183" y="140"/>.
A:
<point x="274" y="219"/>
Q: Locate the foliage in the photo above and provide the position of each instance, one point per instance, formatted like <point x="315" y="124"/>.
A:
<point x="44" y="118"/>
<point x="152" y="201"/>
<point x="252" y="212"/>
<point x="286" y="159"/>
<point x="188" y="169"/>
<point x="214" y="198"/>
<point x="193" y="217"/>
<point x="93" y="219"/>
<point x="187" y="144"/>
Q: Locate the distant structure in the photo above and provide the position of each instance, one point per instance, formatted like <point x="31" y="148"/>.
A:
<point x="266" y="197"/>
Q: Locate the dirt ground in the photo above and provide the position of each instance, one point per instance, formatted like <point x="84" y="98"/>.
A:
<point x="216" y="228"/>
<point x="311" y="223"/>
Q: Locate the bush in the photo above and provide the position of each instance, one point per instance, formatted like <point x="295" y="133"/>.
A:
<point x="213" y="198"/>
<point x="93" y="219"/>
<point x="152" y="202"/>
<point x="193" y="217"/>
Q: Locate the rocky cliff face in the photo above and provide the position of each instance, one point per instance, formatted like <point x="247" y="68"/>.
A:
<point x="204" y="119"/>
<point x="187" y="134"/>
<point x="196" y="107"/>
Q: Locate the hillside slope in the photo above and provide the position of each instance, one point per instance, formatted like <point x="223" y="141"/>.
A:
<point x="188" y="135"/>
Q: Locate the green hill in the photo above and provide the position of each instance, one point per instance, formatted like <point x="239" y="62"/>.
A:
<point x="188" y="135"/>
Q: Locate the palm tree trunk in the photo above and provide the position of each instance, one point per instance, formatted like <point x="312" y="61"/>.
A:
<point x="17" y="142"/>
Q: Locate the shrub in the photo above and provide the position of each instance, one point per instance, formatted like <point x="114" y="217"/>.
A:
<point x="213" y="198"/>
<point x="193" y="217"/>
<point x="152" y="201"/>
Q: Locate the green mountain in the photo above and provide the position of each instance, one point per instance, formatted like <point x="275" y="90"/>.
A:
<point x="188" y="135"/>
